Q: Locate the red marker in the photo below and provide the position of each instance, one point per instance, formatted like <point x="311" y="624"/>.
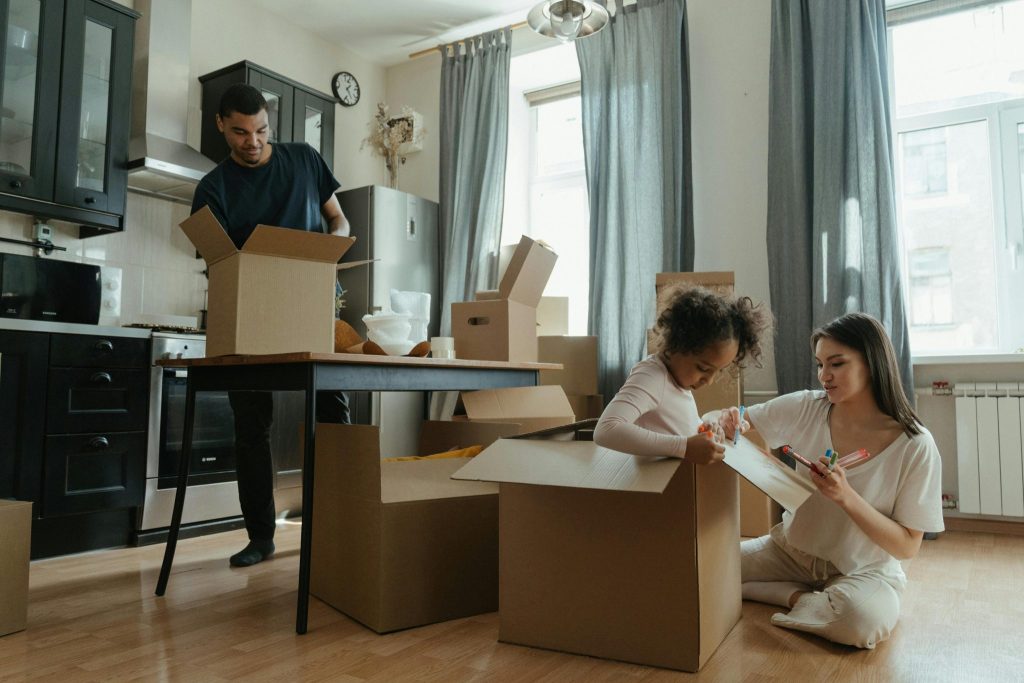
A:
<point x="855" y="457"/>
<point x="788" y="450"/>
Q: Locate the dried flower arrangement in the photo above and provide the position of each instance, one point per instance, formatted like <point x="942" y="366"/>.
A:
<point x="389" y="134"/>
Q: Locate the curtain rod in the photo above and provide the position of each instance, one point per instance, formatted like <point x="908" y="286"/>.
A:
<point x="430" y="50"/>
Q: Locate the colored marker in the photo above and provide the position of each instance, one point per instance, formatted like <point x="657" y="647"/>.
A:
<point x="855" y="457"/>
<point x="739" y="427"/>
<point x="788" y="450"/>
<point x="832" y="455"/>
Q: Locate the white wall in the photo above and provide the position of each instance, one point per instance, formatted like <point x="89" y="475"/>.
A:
<point x="416" y="83"/>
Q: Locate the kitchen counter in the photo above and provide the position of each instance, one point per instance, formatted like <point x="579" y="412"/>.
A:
<point x="72" y="328"/>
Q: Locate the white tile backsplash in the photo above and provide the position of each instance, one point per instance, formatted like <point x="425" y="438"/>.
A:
<point x="159" y="274"/>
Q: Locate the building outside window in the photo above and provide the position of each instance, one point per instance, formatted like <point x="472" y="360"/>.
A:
<point x="958" y="94"/>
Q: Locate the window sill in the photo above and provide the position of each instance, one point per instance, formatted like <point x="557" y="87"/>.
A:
<point x="970" y="359"/>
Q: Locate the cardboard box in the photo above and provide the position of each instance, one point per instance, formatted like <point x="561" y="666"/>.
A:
<point x="531" y="408"/>
<point x="505" y="328"/>
<point x="275" y="294"/>
<point x="400" y="544"/>
<point x="758" y="512"/>
<point x="578" y="356"/>
<point x="610" y="555"/>
<point x="586" y="407"/>
<point x="553" y="316"/>
<point x="15" y="539"/>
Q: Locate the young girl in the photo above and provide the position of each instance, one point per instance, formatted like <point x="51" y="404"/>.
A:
<point x="835" y="561"/>
<point x="699" y="334"/>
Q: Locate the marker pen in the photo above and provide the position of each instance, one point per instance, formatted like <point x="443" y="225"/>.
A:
<point x="739" y="427"/>
<point x="788" y="450"/>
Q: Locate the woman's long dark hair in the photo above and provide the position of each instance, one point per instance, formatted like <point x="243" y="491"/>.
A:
<point x="863" y="333"/>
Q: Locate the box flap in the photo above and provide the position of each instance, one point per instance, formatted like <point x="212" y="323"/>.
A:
<point x="569" y="429"/>
<point x="528" y="272"/>
<point x="353" y="264"/>
<point x="297" y="244"/>
<point x="437" y="436"/>
<point x="517" y="402"/>
<point x="573" y="464"/>
<point x="208" y="235"/>
<point x="420" y="480"/>
<point x="487" y="295"/>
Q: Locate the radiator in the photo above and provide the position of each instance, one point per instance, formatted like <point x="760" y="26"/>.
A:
<point x="990" y="462"/>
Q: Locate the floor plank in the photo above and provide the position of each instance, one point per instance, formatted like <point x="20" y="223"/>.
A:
<point x="93" y="617"/>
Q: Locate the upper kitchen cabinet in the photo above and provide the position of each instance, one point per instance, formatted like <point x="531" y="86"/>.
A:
<point x="64" y="110"/>
<point x="297" y="113"/>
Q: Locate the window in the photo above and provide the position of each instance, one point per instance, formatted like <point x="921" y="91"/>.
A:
<point x="545" y="180"/>
<point x="958" y="94"/>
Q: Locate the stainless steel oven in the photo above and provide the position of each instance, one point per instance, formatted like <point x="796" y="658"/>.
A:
<point x="212" y="492"/>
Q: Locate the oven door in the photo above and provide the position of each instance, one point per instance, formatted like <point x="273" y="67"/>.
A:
<point x="213" y="439"/>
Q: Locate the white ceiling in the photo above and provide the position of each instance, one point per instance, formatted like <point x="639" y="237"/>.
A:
<point x="388" y="31"/>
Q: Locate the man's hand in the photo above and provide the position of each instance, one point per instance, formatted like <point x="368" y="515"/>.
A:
<point x="702" y="449"/>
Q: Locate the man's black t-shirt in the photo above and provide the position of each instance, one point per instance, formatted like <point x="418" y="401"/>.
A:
<point x="287" y="191"/>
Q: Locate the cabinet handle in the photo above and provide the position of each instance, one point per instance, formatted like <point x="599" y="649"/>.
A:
<point x="101" y="378"/>
<point x="99" y="442"/>
<point x="16" y="184"/>
<point x="90" y="200"/>
<point x="104" y="346"/>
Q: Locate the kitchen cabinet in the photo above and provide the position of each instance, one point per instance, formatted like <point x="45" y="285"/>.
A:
<point x="297" y="112"/>
<point x="74" y="412"/>
<point x="65" y="99"/>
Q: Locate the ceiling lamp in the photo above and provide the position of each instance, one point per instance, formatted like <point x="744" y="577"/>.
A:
<point x="567" y="19"/>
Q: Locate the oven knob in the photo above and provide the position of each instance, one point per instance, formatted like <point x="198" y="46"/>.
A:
<point x="166" y="355"/>
<point x="179" y="355"/>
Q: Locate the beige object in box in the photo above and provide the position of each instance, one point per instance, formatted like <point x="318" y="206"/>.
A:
<point x="578" y="356"/>
<point x="611" y="555"/>
<point x="275" y="294"/>
<point x="15" y="539"/>
<point x="531" y="408"/>
<point x="505" y="328"/>
<point x="400" y="544"/>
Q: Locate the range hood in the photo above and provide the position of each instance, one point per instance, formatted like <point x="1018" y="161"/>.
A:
<point x="160" y="162"/>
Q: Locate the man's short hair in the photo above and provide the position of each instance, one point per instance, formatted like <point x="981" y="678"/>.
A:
<point x="243" y="98"/>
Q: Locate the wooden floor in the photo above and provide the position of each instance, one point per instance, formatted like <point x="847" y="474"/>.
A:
<point x="94" y="617"/>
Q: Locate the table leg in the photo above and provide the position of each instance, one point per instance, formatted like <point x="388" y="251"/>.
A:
<point x="179" y="496"/>
<point x="302" y="609"/>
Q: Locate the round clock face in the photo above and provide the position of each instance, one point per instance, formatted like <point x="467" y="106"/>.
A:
<point x="346" y="88"/>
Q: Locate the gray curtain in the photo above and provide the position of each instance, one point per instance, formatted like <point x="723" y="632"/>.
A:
<point x="474" y="142"/>
<point x="636" y="137"/>
<point x="833" y="247"/>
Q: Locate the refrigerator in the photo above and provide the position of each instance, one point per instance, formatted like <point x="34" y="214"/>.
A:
<point x="399" y="229"/>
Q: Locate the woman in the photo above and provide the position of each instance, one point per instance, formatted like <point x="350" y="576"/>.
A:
<point x="835" y="562"/>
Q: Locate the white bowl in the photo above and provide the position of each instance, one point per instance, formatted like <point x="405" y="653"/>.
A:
<point x="392" y="326"/>
<point x="397" y="348"/>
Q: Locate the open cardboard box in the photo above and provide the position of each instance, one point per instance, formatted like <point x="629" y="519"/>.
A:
<point x="531" y="408"/>
<point x="275" y="294"/>
<point x="502" y="325"/>
<point x="15" y="538"/>
<point x="400" y="544"/>
<point x="612" y="555"/>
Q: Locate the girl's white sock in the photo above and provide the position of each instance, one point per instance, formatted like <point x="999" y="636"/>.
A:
<point x="772" y="592"/>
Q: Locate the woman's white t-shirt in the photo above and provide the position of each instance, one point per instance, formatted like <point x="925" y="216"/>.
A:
<point x="651" y="414"/>
<point x="903" y="482"/>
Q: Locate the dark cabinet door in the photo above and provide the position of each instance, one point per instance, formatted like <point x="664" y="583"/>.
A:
<point x="280" y="97"/>
<point x="89" y="472"/>
<point x="86" y="400"/>
<point x="29" y="90"/>
<point x="22" y="400"/>
<point x="95" y="102"/>
<point x="313" y="123"/>
<point x="83" y="350"/>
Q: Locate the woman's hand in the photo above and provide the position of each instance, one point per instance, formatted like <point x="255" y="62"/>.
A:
<point x="728" y="419"/>
<point x="832" y="484"/>
<point x="702" y="449"/>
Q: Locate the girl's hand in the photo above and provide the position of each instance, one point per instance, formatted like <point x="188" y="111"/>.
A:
<point x="728" y="419"/>
<point x="833" y="485"/>
<point x="702" y="449"/>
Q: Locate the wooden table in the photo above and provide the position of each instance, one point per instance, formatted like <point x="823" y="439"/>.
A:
<point x="312" y="372"/>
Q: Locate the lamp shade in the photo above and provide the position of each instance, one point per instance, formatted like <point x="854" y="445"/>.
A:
<point x="567" y="19"/>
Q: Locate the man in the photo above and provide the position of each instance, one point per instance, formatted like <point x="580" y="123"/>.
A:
<point x="287" y="185"/>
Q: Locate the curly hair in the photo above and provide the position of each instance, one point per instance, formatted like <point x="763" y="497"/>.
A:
<point x="696" y="318"/>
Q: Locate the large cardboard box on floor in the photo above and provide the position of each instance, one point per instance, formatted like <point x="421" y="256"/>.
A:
<point x="15" y="538"/>
<point x="400" y="544"/>
<point x="530" y="408"/>
<point x="275" y="294"/>
<point x="578" y="357"/>
<point x="611" y="555"/>
<point x="502" y="325"/>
